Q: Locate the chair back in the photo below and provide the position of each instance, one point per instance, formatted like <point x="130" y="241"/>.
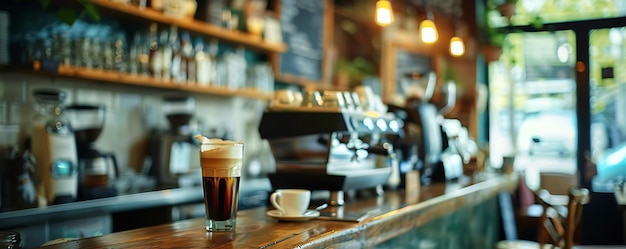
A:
<point x="561" y="216"/>
<point x="558" y="183"/>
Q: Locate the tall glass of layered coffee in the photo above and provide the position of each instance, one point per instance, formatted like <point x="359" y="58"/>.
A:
<point x="221" y="163"/>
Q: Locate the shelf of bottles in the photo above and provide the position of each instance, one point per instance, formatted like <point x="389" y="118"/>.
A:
<point x="164" y="58"/>
<point x="247" y="40"/>
<point x="147" y="81"/>
<point x="165" y="54"/>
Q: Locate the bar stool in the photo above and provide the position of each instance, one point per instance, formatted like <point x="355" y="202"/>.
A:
<point x="556" y="228"/>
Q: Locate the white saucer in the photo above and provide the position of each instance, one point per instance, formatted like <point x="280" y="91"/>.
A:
<point x="279" y="216"/>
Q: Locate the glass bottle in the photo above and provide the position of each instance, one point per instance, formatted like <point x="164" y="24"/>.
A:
<point x="119" y="53"/>
<point x="171" y="40"/>
<point x="175" y="64"/>
<point x="155" y="52"/>
<point x="202" y="61"/>
<point x="133" y="55"/>
<point x="212" y="61"/>
<point x="85" y="53"/>
<point x="236" y="67"/>
<point x="65" y="48"/>
<point x="108" y="55"/>
<point x="96" y="53"/>
<point x="188" y="67"/>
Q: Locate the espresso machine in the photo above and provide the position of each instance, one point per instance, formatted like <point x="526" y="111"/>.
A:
<point x="54" y="147"/>
<point x="172" y="154"/>
<point x="428" y="146"/>
<point x="96" y="169"/>
<point x="334" y="145"/>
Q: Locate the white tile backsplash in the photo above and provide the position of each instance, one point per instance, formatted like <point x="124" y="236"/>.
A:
<point x="131" y="112"/>
<point x="94" y="96"/>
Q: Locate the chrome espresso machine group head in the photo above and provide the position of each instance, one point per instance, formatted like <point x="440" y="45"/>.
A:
<point x="330" y="145"/>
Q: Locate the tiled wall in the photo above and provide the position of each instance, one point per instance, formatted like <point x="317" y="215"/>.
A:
<point x="132" y="111"/>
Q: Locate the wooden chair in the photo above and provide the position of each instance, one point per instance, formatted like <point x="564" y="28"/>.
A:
<point x="558" y="223"/>
<point x="558" y="183"/>
<point x="558" y="227"/>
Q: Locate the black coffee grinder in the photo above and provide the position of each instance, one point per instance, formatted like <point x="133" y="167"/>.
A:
<point x="96" y="169"/>
<point x="172" y="153"/>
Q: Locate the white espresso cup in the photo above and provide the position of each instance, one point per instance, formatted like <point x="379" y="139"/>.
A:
<point x="291" y="202"/>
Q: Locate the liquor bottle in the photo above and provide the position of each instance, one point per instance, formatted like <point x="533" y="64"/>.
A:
<point x="189" y="62"/>
<point x="202" y="63"/>
<point x="119" y="55"/>
<point x="140" y="54"/>
<point x="212" y="61"/>
<point x="155" y="53"/>
<point x="172" y="56"/>
<point x="206" y="64"/>
<point x="236" y="67"/>
<point x="215" y="12"/>
<point x="107" y="55"/>
<point x="166" y="54"/>
<point x="133" y="66"/>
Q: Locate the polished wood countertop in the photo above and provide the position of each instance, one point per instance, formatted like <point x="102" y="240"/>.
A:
<point x="399" y="212"/>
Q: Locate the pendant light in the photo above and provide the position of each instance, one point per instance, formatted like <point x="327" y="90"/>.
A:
<point x="428" y="30"/>
<point x="384" y="13"/>
<point x="457" y="47"/>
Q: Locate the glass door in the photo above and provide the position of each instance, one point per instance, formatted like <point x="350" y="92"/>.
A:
<point x="544" y="77"/>
<point x="607" y="53"/>
<point x="533" y="103"/>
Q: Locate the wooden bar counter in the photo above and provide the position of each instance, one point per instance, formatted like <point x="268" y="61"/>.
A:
<point x="398" y="213"/>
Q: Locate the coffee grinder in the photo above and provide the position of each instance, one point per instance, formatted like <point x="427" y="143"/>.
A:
<point x="52" y="142"/>
<point x="173" y="152"/>
<point x="95" y="168"/>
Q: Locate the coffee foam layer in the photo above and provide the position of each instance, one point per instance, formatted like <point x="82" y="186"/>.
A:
<point x="221" y="151"/>
<point x="218" y="148"/>
<point x="202" y="139"/>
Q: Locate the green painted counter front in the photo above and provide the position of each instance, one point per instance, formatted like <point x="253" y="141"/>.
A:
<point x="475" y="226"/>
<point x="448" y="215"/>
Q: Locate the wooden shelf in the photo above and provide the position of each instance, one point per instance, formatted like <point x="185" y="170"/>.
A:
<point x="147" y="81"/>
<point x="194" y="26"/>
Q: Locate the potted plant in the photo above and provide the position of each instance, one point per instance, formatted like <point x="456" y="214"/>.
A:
<point x="350" y="73"/>
<point x="68" y="13"/>
<point x="506" y="7"/>
<point x="493" y="38"/>
<point x="496" y="24"/>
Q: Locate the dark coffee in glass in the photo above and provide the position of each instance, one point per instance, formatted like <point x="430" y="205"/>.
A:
<point x="220" y="196"/>
<point x="221" y="163"/>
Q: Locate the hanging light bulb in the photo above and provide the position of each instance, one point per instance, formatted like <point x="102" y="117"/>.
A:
<point x="384" y="13"/>
<point x="457" y="47"/>
<point x="428" y="30"/>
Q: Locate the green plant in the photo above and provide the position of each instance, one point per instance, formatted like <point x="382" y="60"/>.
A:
<point x="68" y="13"/>
<point x="496" y="21"/>
<point x="356" y="69"/>
<point x="492" y="35"/>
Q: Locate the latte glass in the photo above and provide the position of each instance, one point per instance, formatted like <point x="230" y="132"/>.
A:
<point x="221" y="163"/>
